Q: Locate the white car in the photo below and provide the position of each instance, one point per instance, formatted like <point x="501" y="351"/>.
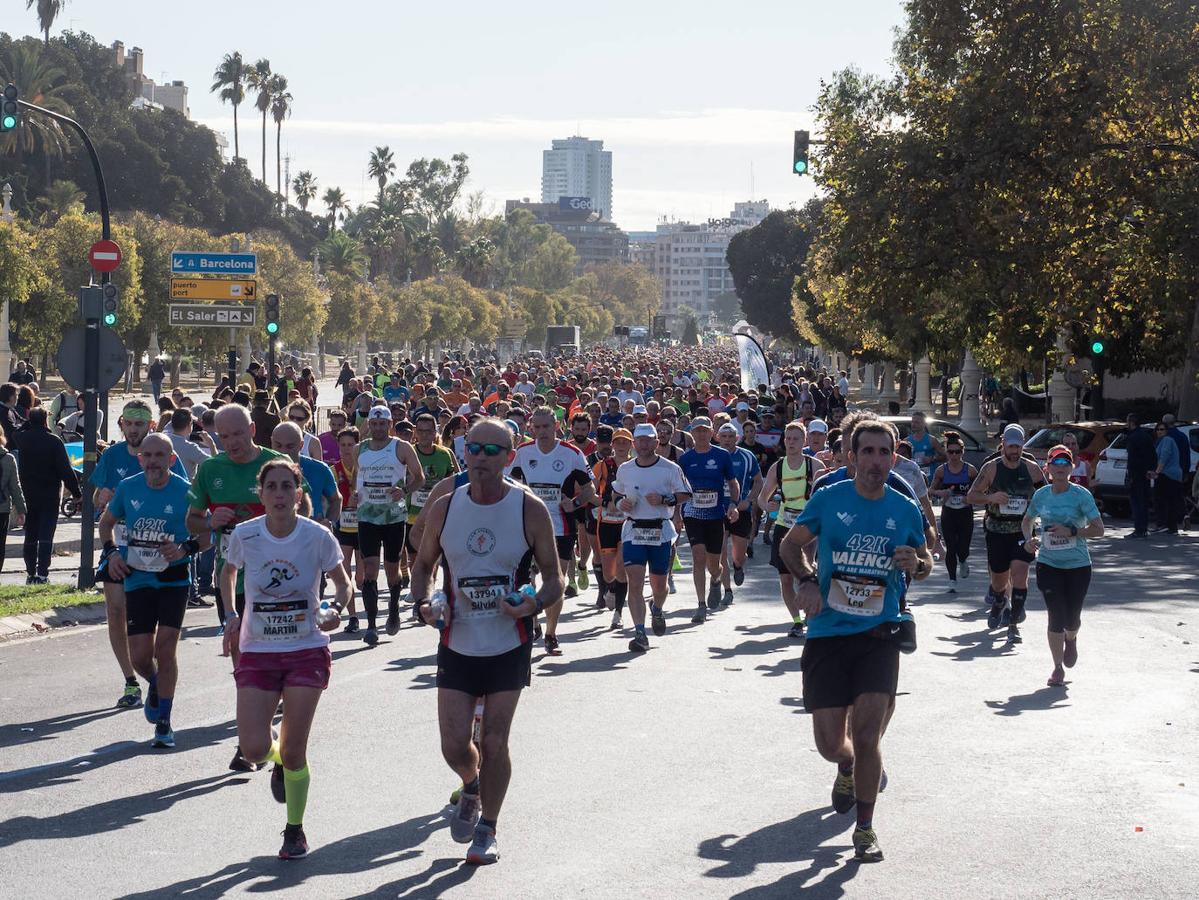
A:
<point x="1108" y="485"/>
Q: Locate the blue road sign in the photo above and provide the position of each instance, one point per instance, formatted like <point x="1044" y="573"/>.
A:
<point x="189" y="263"/>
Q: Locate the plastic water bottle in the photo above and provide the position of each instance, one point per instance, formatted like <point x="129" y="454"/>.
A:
<point x="326" y="614"/>
<point x="528" y="592"/>
<point x="439" y="603"/>
<point x="777" y="498"/>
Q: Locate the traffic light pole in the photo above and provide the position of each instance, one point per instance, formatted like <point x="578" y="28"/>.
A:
<point x="91" y="365"/>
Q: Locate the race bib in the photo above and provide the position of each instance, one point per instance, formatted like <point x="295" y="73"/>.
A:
<point x="144" y="556"/>
<point x="349" y="519"/>
<point x="647" y="535"/>
<point x="421" y="498"/>
<point x="955" y="501"/>
<point x="856" y="595"/>
<point x="787" y="516"/>
<point x="288" y="619"/>
<point x="1051" y="541"/>
<point x="616" y="515"/>
<point x="1015" y="506"/>
<point x="704" y="499"/>
<point x="376" y="492"/>
<point x="549" y="494"/>
<point x="480" y="598"/>
<point x="120" y="536"/>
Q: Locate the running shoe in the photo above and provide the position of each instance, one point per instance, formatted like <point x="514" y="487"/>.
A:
<point x="295" y="844"/>
<point x="164" y="738"/>
<point x="615" y="626"/>
<point x="1070" y="654"/>
<point x="352" y="625"/>
<point x="455" y="795"/>
<point x="393" y="622"/>
<point x="1005" y="617"/>
<point x="964" y="568"/>
<point x="239" y="763"/>
<point x="571" y="590"/>
<point x="738" y="575"/>
<point x="1013" y="634"/>
<point x="953" y="586"/>
<point x="1021" y="616"/>
<point x="796" y="631"/>
<point x="993" y="617"/>
<point x="727" y="600"/>
<point x="701" y="616"/>
<point x="198" y="602"/>
<point x="151" y="708"/>
<point x="1057" y="678"/>
<point x="749" y="550"/>
<point x="657" y="620"/>
<point x="865" y="845"/>
<point x="131" y="699"/>
<point x="483" y="849"/>
<point x="584" y="579"/>
<point x="602" y="600"/>
<point x="465" y="817"/>
<point x="639" y="643"/>
<point x="551" y="645"/>
<point x="844" y="797"/>
<point x="370" y="637"/>
<point x="278" y="787"/>
<point x="714" y="595"/>
<point x="670" y="588"/>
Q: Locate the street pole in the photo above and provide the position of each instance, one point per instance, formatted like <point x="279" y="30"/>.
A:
<point x="91" y="366"/>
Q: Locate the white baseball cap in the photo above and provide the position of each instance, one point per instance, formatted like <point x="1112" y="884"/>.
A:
<point x="818" y="425"/>
<point x="379" y="412"/>
<point x="1013" y="434"/>
<point x="645" y="430"/>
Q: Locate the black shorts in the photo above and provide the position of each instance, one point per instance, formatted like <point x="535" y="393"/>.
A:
<point x="150" y="607"/>
<point x="1064" y="591"/>
<point x="171" y="573"/>
<point x="778" y="532"/>
<point x="346" y="538"/>
<point x="566" y="546"/>
<point x="593" y="523"/>
<point x="479" y="676"/>
<point x="390" y="537"/>
<point x="1003" y="549"/>
<point x="744" y="525"/>
<point x="837" y="669"/>
<point x="709" y="532"/>
<point x="609" y="535"/>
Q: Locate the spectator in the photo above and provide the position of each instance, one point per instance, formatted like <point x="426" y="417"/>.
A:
<point x="23" y="374"/>
<point x="1142" y="459"/>
<point x="45" y="470"/>
<point x="1179" y="438"/>
<point x="156" y="373"/>
<point x="71" y="428"/>
<point x="26" y="400"/>
<point x="1167" y="481"/>
<point x="63" y="405"/>
<point x="9" y="418"/>
<point x="344" y="379"/>
<point x="12" y="500"/>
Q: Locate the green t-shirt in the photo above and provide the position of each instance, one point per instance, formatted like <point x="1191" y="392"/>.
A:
<point x="436" y="465"/>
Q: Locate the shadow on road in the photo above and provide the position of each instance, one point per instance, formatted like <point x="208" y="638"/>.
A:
<point x="43" y="729"/>
<point x="775" y="644"/>
<point x="607" y="663"/>
<point x="974" y="644"/>
<point x="1017" y="704"/>
<point x="798" y="840"/>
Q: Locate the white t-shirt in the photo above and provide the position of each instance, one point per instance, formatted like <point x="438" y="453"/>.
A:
<point x="636" y="481"/>
<point x="911" y="473"/>
<point x="283" y="582"/>
<point x="546" y="473"/>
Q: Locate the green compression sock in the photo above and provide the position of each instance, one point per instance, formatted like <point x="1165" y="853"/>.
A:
<point x="295" y="782"/>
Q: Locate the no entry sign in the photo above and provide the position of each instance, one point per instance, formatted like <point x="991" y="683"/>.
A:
<point x="104" y="256"/>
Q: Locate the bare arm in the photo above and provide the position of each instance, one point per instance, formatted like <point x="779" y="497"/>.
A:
<point x="980" y="491"/>
<point x="433" y="513"/>
<point x="769" y="486"/>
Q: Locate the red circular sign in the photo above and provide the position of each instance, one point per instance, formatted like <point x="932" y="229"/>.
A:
<point x="104" y="256"/>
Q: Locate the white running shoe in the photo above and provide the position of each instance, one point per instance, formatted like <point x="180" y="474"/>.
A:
<point x="953" y="586"/>
<point x="964" y="569"/>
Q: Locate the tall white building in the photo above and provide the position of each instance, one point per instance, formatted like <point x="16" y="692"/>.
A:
<point x="578" y="167"/>
<point x="689" y="258"/>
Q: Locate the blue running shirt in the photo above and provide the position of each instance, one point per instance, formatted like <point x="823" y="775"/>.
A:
<point x="706" y="473"/>
<point x="151" y="516"/>
<point x="118" y="463"/>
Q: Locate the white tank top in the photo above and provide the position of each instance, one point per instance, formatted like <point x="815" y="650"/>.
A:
<point x="378" y="472"/>
<point x="483" y="546"/>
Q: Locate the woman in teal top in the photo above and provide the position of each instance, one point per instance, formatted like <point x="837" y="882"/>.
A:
<point x="1068" y="517"/>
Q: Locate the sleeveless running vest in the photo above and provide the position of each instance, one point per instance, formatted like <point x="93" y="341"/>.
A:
<point x="483" y="546"/>
<point x="796" y="486"/>
<point x="959" y="484"/>
<point x="1017" y="484"/>
<point x="378" y="472"/>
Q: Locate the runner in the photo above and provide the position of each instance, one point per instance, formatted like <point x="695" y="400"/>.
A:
<point x="484" y="530"/>
<point x="580" y="436"/>
<point x="153" y="571"/>
<point x="649" y="488"/>
<point x="288" y="439"/>
<point x="387" y="471"/>
<point x="709" y="471"/>
<point x="1005" y="485"/>
<point x="436" y="462"/>
<point x="927" y="451"/>
<point x="868" y="536"/>
<point x="610" y="519"/>
<point x="765" y="457"/>
<point x="602" y="451"/>
<point x="749" y="476"/>
<point x="557" y="473"/>
<point x="345" y="470"/>
<point x="951" y="483"/>
<point x="279" y="637"/>
<point x="783" y="495"/>
<point x="668" y="449"/>
<point x="1068" y="517"/>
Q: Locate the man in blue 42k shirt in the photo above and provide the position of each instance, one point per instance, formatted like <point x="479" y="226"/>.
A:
<point x="708" y="470"/>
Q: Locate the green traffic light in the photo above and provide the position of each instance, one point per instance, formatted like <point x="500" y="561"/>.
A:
<point x="272" y="327"/>
<point x="10" y="122"/>
<point x="1097" y="347"/>
<point x="110" y="319"/>
<point x="801" y="166"/>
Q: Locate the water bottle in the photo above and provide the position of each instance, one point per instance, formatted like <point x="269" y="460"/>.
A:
<point x="777" y="498"/>
<point x="439" y="603"/>
<point x="327" y="613"/>
<point x="516" y="598"/>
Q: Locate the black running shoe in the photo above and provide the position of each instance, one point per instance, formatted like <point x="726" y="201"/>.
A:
<point x="738" y="576"/>
<point x="714" y="595"/>
<point x="749" y="551"/>
<point x="370" y="637"/>
<point x="295" y="844"/>
<point x="352" y="625"/>
<point x="551" y="645"/>
<point x="278" y="788"/>
<point x="701" y="616"/>
<point x="657" y="620"/>
<point x="727" y="600"/>
<point x="993" y="616"/>
<point x="844" y="798"/>
<point x="796" y="631"/>
<point x="639" y="643"/>
<point x="393" y="622"/>
<point x="240" y="764"/>
<point x="1005" y="617"/>
<point x="1013" y="634"/>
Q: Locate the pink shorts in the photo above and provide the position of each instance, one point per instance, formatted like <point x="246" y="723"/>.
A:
<point x="275" y="671"/>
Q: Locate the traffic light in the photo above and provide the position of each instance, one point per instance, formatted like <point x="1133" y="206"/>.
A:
<point x="272" y="314"/>
<point x="800" y="164"/>
<point x="110" y="304"/>
<point x="1097" y="347"/>
<point x="9" y="109"/>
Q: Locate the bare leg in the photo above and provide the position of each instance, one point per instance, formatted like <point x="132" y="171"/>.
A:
<point x="497" y="765"/>
<point x="118" y="634"/>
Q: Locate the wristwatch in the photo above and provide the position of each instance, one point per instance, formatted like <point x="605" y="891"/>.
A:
<point x="807" y="579"/>
<point x="920" y="567"/>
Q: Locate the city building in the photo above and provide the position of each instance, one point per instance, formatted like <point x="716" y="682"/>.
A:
<point x="594" y="240"/>
<point x="158" y="96"/>
<point x="579" y="168"/>
<point x="689" y="258"/>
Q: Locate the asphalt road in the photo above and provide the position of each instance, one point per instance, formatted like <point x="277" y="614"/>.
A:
<point x="688" y="772"/>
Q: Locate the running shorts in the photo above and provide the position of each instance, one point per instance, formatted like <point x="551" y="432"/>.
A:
<point x="655" y="556"/>
<point x="837" y="669"/>
<point x="150" y="607"/>
<point x="566" y="546"/>
<point x="1064" y="591"/>
<point x="778" y="532"/>
<point x="483" y="675"/>
<point x="390" y="537"/>
<point x="709" y="532"/>
<point x="275" y="671"/>
<point x="609" y="535"/>
<point x="346" y="538"/>
<point x="744" y="525"/>
<point x="1005" y="548"/>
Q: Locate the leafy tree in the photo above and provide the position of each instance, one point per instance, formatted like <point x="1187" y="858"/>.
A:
<point x="305" y="186"/>
<point x="230" y="79"/>
<point x="61" y="198"/>
<point x="22" y="273"/>
<point x="42" y="82"/>
<point x="765" y="261"/>
<point x="690" y="336"/>
<point x="342" y="254"/>
<point x="727" y="308"/>
<point x="435" y="185"/>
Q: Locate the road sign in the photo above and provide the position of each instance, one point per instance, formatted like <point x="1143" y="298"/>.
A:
<point x="1078" y="377"/>
<point x="104" y="256"/>
<point x="72" y="351"/>
<point x="186" y="262"/>
<point x="212" y="315"/>
<point x="213" y="288"/>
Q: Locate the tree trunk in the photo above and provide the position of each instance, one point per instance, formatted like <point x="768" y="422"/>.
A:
<point x="264" y="147"/>
<point x="176" y="360"/>
<point x="278" y="163"/>
<point x="1188" y="389"/>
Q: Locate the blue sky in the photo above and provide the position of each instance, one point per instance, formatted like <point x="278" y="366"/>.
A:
<point x="688" y="96"/>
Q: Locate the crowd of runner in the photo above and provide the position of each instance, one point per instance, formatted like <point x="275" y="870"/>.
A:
<point x="485" y="494"/>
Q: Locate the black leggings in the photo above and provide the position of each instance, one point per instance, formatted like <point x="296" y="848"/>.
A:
<point x="41" y="521"/>
<point x="957" y="529"/>
<point x="1064" y="591"/>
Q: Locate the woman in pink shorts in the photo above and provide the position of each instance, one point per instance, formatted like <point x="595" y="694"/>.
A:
<point x="284" y="648"/>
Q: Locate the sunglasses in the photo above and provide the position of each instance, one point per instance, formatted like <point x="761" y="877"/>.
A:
<point x="1059" y="461"/>
<point x="300" y="419"/>
<point x="474" y="448"/>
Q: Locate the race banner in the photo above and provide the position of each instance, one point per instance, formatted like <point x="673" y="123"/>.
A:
<point x="754" y="368"/>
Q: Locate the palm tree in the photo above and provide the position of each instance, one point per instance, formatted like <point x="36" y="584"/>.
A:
<point x="47" y="12"/>
<point x="342" y="254"/>
<point x="335" y="200"/>
<point x="61" y="198"/>
<point x="46" y="83"/>
<point x="280" y="109"/>
<point x="304" y="185"/>
<point x="381" y="167"/>
<point x="258" y="79"/>
<point x="230" y="79"/>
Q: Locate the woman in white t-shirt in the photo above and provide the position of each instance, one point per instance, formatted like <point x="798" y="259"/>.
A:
<point x="280" y="645"/>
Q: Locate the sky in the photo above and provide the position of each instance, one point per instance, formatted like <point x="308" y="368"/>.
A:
<point x="696" y="101"/>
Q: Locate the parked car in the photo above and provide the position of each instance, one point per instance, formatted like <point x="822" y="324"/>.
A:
<point x="1112" y="465"/>
<point x="1092" y="437"/>
<point x="976" y="451"/>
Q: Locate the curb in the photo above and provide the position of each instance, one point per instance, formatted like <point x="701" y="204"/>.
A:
<point x="31" y="624"/>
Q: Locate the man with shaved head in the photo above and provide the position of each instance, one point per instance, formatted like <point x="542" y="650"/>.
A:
<point x="288" y="439"/>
